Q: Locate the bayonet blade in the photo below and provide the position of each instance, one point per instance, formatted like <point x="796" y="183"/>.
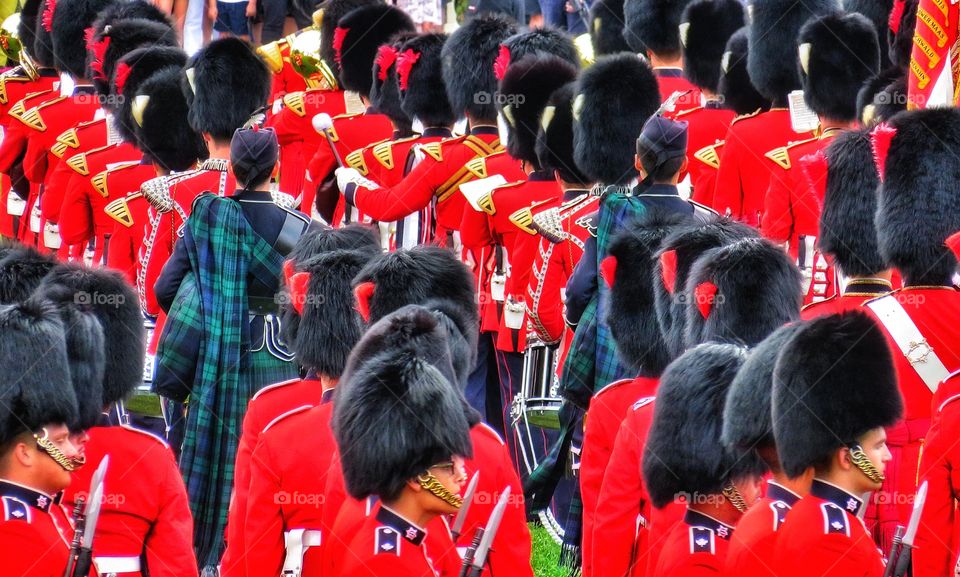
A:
<point x="480" y="558"/>
<point x="94" y="502"/>
<point x="918" y="503"/>
<point x="461" y="518"/>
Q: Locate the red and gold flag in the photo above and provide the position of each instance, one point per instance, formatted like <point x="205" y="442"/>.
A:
<point x="934" y="65"/>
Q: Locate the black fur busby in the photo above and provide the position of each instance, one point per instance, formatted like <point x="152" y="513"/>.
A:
<point x="114" y="303"/>
<point x="748" y="416"/>
<point x="413" y="276"/>
<point x="357" y="37"/>
<point x="35" y="386"/>
<point x="540" y="42"/>
<point x="350" y="237"/>
<point x="606" y="27"/>
<point x="882" y="97"/>
<point x="468" y="73"/>
<point x="396" y="384"/>
<point x="228" y="83"/>
<point x="621" y="87"/>
<point x="900" y="40"/>
<point x="524" y="90"/>
<point x="705" y="28"/>
<point x="21" y="271"/>
<point x="42" y="52"/>
<point x="554" y="145"/>
<point x="741" y="292"/>
<point x="26" y="30"/>
<point x="683" y="453"/>
<point x="330" y="325"/>
<point x="838" y="53"/>
<point x="71" y="18"/>
<point x="120" y="38"/>
<point x="384" y="90"/>
<point x="161" y="127"/>
<point x="130" y="72"/>
<point x="834" y="381"/>
<point x="773" y="31"/>
<point x="333" y="11"/>
<point x="847" y="230"/>
<point x="878" y="13"/>
<point x="918" y="207"/>
<point x="653" y="25"/>
<point x="739" y="93"/>
<point x="632" y="314"/>
<point x="420" y="79"/>
<point x="678" y="253"/>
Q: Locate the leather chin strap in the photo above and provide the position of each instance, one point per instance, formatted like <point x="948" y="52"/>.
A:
<point x="436" y="488"/>
<point x="866" y="466"/>
<point x="47" y="446"/>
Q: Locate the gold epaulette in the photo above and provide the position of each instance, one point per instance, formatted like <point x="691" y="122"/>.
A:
<point x="433" y="150"/>
<point x="482" y="147"/>
<point x="781" y="156"/>
<point x="746" y="116"/>
<point x="295" y="102"/>
<point x="99" y="181"/>
<point x="78" y="162"/>
<point x="272" y="55"/>
<point x="709" y="155"/>
<point x="478" y="167"/>
<point x="119" y="210"/>
<point x="32" y="119"/>
<point x="3" y="85"/>
<point x="67" y="139"/>
<point x="485" y="203"/>
<point x="355" y="160"/>
<point x="383" y="151"/>
<point x="523" y="218"/>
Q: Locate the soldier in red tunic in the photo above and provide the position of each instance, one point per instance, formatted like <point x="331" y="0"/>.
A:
<point x="37" y="457"/>
<point x="684" y="456"/>
<point x="747" y="424"/>
<point x="415" y="467"/>
<point x="794" y="198"/>
<point x="145" y="526"/>
<point x="915" y="215"/>
<point x="652" y="29"/>
<point x="744" y="177"/>
<point x="834" y="392"/>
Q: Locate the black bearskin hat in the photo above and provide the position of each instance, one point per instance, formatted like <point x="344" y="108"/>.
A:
<point x="834" y="381"/>
<point x="420" y="79"/>
<point x="129" y="74"/>
<point x="632" y="314"/>
<point x="107" y="296"/>
<point x="468" y="57"/>
<point x="333" y="11"/>
<point x="653" y="25"/>
<point x="227" y="82"/>
<point x="42" y="52"/>
<point x="878" y="13"/>
<point x="524" y="90"/>
<point x="847" y="229"/>
<point x="555" y="138"/>
<point x="705" y="28"/>
<point x="838" y="53"/>
<point x="22" y="269"/>
<point x="738" y="92"/>
<point x="329" y="325"/>
<point x="538" y="41"/>
<point x="35" y="386"/>
<point x="921" y="168"/>
<point x="683" y="453"/>
<point x="680" y="249"/>
<point x="773" y="30"/>
<point x="71" y="18"/>
<point x="606" y="27"/>
<point x="748" y="416"/>
<point x="621" y="87"/>
<point x="412" y="276"/>
<point x="357" y="37"/>
<point x="882" y="97"/>
<point x="120" y="29"/>
<point x="397" y="385"/>
<point x="384" y="91"/>
<point x="26" y="30"/>
<point x="741" y="292"/>
<point x="162" y="131"/>
<point x="900" y="35"/>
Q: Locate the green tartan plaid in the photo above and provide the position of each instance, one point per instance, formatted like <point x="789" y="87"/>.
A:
<point x="211" y="309"/>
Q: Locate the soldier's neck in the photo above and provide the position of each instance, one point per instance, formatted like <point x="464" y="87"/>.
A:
<point x="720" y="509"/>
<point x="410" y="509"/>
<point x="218" y="149"/>
<point x="829" y="124"/>
<point x="798" y="486"/>
<point x="662" y="61"/>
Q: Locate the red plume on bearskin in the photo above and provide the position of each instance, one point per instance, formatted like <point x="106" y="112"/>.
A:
<point x="704" y="296"/>
<point x="405" y="62"/>
<point x="953" y="243"/>
<point x="386" y="56"/>
<point x="363" y="292"/>
<point x="880" y="138"/>
<point x="502" y="62"/>
<point x="338" y="36"/>
<point x="297" y="285"/>
<point x="608" y="269"/>
<point x="99" y="49"/>
<point x="668" y="270"/>
<point x="47" y="18"/>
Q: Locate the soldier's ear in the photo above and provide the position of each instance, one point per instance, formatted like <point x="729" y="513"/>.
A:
<point x="639" y="166"/>
<point x="686" y="163"/>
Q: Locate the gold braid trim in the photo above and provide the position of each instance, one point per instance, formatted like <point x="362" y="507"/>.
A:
<point x="436" y="488"/>
<point x="736" y="499"/>
<point x="866" y="466"/>
<point x="47" y="446"/>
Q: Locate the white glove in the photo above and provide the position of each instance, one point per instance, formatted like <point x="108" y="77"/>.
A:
<point x="347" y="176"/>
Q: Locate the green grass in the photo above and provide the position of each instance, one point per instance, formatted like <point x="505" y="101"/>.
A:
<point x="545" y="554"/>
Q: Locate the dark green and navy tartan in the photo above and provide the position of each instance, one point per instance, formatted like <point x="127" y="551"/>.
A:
<point x="211" y="308"/>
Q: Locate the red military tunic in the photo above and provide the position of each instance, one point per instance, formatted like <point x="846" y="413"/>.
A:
<point x="823" y="536"/>
<point x="936" y="313"/>
<point x="74" y="141"/>
<point x="387" y="544"/>
<point x="696" y="546"/>
<point x="288" y="474"/>
<point x="601" y="424"/>
<point x="433" y="184"/>
<point x="752" y="546"/>
<point x="386" y="162"/>
<point x="264" y="407"/>
<point x="938" y="537"/>
<point x="743" y="177"/>
<point x="707" y="127"/>
<point x="857" y="292"/>
<point x="145" y="515"/>
<point x="51" y="119"/>
<point x="128" y="217"/>
<point x="33" y="542"/>
<point x="671" y="81"/>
